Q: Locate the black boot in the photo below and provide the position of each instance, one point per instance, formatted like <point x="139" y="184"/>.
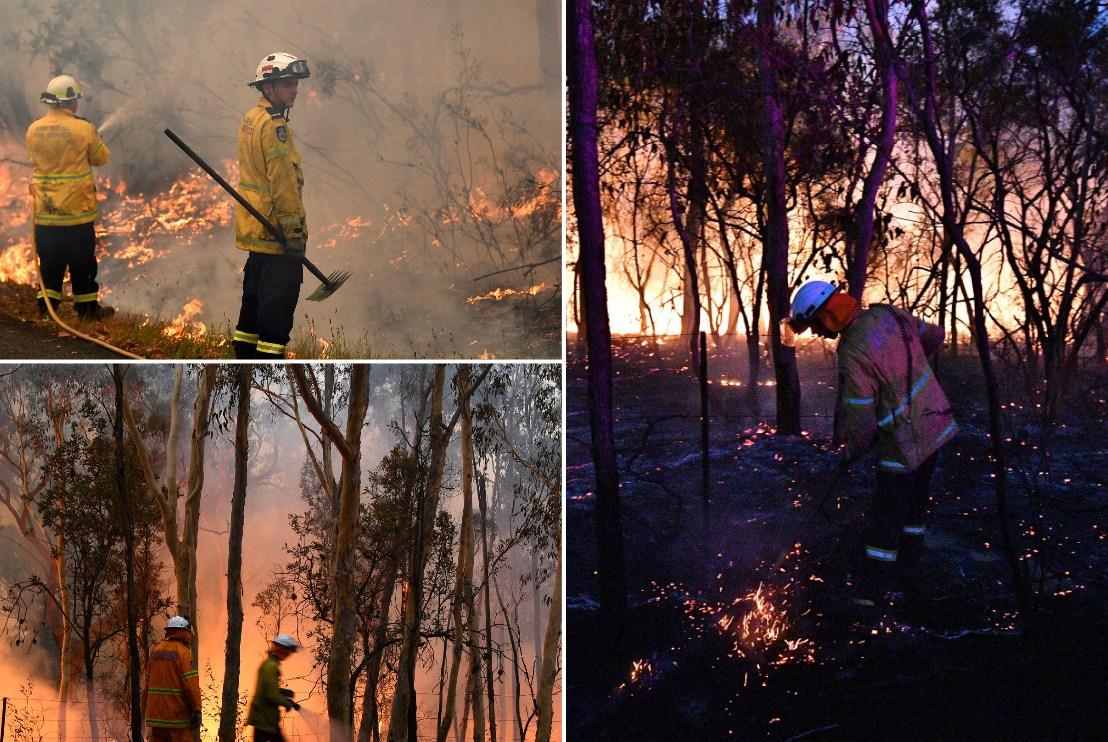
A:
<point x="244" y="351"/>
<point x="94" y="310"/>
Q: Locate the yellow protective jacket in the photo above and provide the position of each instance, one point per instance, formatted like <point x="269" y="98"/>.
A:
<point x="172" y="690"/>
<point x="270" y="179"/>
<point x="264" y="714"/>
<point x="64" y="148"/>
<point x="888" y="391"/>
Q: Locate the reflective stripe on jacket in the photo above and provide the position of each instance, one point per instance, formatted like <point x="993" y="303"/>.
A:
<point x="172" y="690"/>
<point x="270" y="179"/>
<point x="888" y="391"/>
<point x="64" y="148"/>
<point x="264" y="714"/>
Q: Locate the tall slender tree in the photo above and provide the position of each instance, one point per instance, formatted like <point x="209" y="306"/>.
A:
<point x="582" y="70"/>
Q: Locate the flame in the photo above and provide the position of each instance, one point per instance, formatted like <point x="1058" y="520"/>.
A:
<point x="499" y="294"/>
<point x="184" y="323"/>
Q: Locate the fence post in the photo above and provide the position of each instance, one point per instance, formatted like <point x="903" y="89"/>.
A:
<point x="4" y="719"/>
<point x="705" y="499"/>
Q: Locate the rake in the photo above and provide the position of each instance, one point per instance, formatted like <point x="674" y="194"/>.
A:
<point x="331" y="283"/>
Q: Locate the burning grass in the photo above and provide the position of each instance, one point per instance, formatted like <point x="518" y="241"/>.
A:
<point x="143" y="336"/>
<point x="167" y="254"/>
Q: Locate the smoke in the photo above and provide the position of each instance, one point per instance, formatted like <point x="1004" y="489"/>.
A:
<point x="415" y="114"/>
<point x="276" y="456"/>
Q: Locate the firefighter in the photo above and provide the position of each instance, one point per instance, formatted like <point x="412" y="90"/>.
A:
<point x="270" y="178"/>
<point x="171" y="694"/>
<point x="64" y="148"/>
<point x="890" y="400"/>
<point x="264" y="715"/>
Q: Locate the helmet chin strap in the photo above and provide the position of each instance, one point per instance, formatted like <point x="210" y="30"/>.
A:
<point x="281" y="107"/>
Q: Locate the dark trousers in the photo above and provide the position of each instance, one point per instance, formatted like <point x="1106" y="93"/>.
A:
<point x="270" y="290"/>
<point x="895" y="528"/>
<point x="72" y="247"/>
<point x="263" y="736"/>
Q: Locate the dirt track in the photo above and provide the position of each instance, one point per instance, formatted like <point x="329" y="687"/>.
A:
<point x="22" y="340"/>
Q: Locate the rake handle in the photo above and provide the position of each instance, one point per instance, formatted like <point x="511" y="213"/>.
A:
<point x="275" y="231"/>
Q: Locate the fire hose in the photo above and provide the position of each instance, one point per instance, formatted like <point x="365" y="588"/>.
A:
<point x="50" y="303"/>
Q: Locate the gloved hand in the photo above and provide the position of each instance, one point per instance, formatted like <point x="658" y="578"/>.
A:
<point x="296" y="705"/>
<point x="295" y="248"/>
<point x="196" y="720"/>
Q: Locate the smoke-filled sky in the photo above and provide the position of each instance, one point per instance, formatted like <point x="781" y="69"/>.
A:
<point x="274" y="492"/>
<point x="415" y="113"/>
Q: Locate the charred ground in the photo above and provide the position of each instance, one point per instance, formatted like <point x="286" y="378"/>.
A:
<point x="960" y="665"/>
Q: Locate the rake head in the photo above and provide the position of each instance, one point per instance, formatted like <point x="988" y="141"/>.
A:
<point x="333" y="283"/>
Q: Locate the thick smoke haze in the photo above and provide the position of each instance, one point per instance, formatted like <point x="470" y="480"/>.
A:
<point x="430" y="134"/>
<point x="276" y="461"/>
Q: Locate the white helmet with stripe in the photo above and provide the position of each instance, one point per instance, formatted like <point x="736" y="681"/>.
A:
<point x="280" y="66"/>
<point x="61" y="89"/>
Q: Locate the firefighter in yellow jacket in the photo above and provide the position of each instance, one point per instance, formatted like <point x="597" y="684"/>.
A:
<point x="888" y="400"/>
<point x="270" y="178"/>
<point x="64" y="148"/>
<point x="269" y="697"/>
<point x="171" y="694"/>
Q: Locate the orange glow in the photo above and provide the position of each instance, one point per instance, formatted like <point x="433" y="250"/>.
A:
<point x="184" y="323"/>
<point x="498" y="294"/>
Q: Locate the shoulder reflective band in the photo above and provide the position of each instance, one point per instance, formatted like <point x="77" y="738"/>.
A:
<point x="914" y="530"/>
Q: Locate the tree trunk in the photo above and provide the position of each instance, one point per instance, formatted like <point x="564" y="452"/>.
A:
<point x="877" y="12"/>
<point x="404" y="700"/>
<point x="369" y="729"/>
<point x="776" y="237"/>
<point x="550" y="656"/>
<point x="487" y="589"/>
<point x="231" y="664"/>
<point x="90" y="687"/>
<point x="181" y="546"/>
<point x="340" y="710"/>
<point x="582" y="70"/>
<point x="473" y="645"/>
<point x="127" y="506"/>
<point x="925" y="114"/>
<point x="463" y="574"/>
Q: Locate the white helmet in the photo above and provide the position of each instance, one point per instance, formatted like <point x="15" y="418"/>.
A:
<point x="280" y="66"/>
<point x="178" y="622"/>
<point x="61" y="89"/>
<point x="808" y="300"/>
<point x="286" y="641"/>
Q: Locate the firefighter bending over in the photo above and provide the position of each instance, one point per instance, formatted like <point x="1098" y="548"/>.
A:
<point x="270" y="178"/>
<point x="264" y="714"/>
<point x="171" y="695"/>
<point x="888" y="399"/>
<point x="64" y="148"/>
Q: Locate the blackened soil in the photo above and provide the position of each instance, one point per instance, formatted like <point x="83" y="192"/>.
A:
<point x="960" y="662"/>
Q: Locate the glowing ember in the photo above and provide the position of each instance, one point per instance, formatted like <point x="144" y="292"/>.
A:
<point x="499" y="294"/>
